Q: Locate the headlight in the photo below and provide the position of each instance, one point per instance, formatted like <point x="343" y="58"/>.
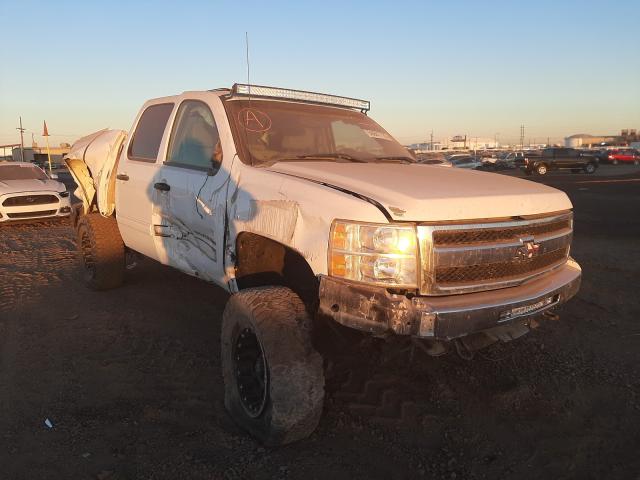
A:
<point x="381" y="254"/>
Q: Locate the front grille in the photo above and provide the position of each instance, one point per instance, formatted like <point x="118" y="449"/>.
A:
<point x="23" y="200"/>
<point x="42" y="213"/>
<point x="461" y="237"/>
<point x="498" y="270"/>
<point x="463" y="258"/>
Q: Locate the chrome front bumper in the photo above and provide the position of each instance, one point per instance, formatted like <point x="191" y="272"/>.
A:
<point x="375" y="310"/>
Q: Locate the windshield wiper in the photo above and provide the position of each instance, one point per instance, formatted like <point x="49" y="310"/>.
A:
<point x="400" y="158"/>
<point x="320" y="156"/>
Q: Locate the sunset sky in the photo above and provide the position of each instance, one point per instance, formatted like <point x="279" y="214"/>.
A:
<point x="476" y="68"/>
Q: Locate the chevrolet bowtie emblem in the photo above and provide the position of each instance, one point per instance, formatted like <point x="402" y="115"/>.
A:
<point x="528" y="250"/>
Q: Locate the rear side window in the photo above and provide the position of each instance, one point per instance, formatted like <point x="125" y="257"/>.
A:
<point x="148" y="135"/>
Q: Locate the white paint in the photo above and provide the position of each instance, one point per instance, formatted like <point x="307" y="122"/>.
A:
<point x="429" y="193"/>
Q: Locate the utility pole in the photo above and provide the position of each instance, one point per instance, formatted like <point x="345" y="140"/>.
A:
<point x="431" y="141"/>
<point x="521" y="137"/>
<point x="21" y="140"/>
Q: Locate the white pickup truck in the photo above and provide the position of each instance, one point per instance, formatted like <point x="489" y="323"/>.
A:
<point x="304" y="208"/>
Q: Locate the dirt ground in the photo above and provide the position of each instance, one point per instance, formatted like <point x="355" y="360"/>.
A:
<point x="130" y="379"/>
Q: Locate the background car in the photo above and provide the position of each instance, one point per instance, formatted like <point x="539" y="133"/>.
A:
<point x="559" y="158"/>
<point x="624" y="156"/>
<point x="468" y="161"/>
<point x="436" y="161"/>
<point x="27" y="193"/>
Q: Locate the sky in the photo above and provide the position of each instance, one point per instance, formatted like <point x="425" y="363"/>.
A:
<point x="480" y="68"/>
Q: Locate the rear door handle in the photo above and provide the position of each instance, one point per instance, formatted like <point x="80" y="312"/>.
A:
<point x="122" y="176"/>
<point x="163" y="187"/>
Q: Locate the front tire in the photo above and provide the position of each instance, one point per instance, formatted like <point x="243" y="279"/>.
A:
<point x="542" y="169"/>
<point x="102" y="251"/>
<point x="590" y="168"/>
<point x="273" y="377"/>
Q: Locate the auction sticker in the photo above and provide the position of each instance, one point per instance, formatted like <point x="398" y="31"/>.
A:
<point x="377" y="134"/>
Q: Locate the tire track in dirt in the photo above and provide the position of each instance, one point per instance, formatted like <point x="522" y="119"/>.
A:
<point x="33" y="257"/>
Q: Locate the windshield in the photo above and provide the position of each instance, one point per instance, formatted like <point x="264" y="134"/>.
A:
<point x="21" y="172"/>
<point x="272" y="131"/>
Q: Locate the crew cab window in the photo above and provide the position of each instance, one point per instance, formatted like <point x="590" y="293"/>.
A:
<point x="148" y="135"/>
<point x="195" y="142"/>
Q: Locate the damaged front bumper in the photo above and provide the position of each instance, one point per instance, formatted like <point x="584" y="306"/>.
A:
<point x="374" y="309"/>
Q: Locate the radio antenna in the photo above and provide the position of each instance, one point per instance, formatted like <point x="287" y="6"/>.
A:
<point x="246" y="41"/>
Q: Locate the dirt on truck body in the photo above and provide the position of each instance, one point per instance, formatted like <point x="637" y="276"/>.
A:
<point x="320" y="225"/>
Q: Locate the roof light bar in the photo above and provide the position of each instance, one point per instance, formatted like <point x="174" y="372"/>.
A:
<point x="241" y="89"/>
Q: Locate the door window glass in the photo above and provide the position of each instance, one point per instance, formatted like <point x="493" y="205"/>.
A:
<point x="195" y="142"/>
<point x="148" y="135"/>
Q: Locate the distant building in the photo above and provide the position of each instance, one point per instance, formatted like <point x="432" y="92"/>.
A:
<point x="459" y="142"/>
<point x="39" y="155"/>
<point x="626" y="137"/>
<point x="586" y="140"/>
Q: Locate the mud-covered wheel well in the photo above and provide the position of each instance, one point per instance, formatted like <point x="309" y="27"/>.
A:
<point x="261" y="261"/>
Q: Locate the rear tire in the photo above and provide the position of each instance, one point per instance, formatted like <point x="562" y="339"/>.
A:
<point x="101" y="251"/>
<point x="273" y="377"/>
<point x="614" y="162"/>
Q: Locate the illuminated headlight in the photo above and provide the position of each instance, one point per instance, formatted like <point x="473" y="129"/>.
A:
<point x="381" y="254"/>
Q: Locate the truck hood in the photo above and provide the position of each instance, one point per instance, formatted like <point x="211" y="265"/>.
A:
<point x="432" y="193"/>
<point x="19" y="186"/>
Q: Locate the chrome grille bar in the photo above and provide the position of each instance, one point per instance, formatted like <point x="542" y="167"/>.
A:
<point x="463" y="258"/>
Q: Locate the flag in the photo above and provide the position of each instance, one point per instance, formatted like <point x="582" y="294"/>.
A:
<point x="45" y="133"/>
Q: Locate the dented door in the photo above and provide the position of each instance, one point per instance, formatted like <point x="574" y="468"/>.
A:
<point x="191" y="186"/>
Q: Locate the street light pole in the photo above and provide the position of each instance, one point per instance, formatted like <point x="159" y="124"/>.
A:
<point x="21" y="140"/>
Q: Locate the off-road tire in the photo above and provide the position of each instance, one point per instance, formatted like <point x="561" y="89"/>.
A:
<point x="294" y="369"/>
<point x="542" y="169"/>
<point x="590" y="168"/>
<point x="101" y="251"/>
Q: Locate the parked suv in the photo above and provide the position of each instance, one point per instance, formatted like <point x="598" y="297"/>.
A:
<point x="560" y="159"/>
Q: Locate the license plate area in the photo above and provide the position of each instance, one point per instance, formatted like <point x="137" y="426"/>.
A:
<point x="529" y="309"/>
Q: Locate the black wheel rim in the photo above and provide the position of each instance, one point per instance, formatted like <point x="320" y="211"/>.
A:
<point x="87" y="256"/>
<point x="252" y="374"/>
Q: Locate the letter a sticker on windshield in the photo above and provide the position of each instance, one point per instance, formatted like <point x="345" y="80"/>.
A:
<point x="254" y="120"/>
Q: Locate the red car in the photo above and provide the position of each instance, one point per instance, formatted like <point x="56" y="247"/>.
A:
<point x="630" y="156"/>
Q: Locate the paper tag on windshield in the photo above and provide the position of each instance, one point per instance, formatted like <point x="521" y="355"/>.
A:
<point x="377" y="134"/>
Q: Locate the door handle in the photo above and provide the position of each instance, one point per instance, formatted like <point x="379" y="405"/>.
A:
<point x="122" y="176"/>
<point x="163" y="187"/>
